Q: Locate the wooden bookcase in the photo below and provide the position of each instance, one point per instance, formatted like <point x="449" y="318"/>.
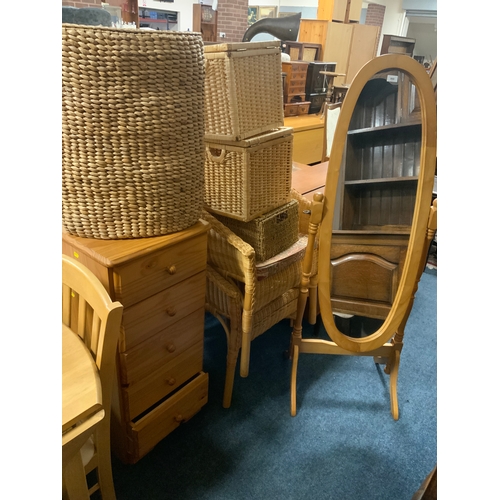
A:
<point x="205" y="22"/>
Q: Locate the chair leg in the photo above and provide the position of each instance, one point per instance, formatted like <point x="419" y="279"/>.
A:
<point x="104" y="471"/>
<point x="74" y="480"/>
<point x="293" y="381"/>
<point x="229" y="382"/>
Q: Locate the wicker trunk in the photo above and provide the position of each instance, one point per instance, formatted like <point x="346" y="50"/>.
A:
<point x="243" y="90"/>
<point x="271" y="233"/>
<point x="246" y="179"/>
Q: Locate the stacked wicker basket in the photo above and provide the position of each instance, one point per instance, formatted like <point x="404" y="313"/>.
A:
<point x="248" y="151"/>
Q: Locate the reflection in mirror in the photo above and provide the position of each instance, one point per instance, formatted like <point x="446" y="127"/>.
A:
<point x="376" y="200"/>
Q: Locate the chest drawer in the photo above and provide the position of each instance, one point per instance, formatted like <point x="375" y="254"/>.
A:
<point x="150" y="316"/>
<point x="142" y="277"/>
<point x="162" y="348"/>
<point x="145" y="393"/>
<point x="166" y="417"/>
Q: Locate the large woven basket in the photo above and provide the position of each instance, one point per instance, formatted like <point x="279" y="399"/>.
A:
<point x="132" y="142"/>
<point x="246" y="179"/>
<point x="244" y="90"/>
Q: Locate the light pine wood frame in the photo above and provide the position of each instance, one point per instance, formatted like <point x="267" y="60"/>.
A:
<point x="386" y="343"/>
<point x="88" y="310"/>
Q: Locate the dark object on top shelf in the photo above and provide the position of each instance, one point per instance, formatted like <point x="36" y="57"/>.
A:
<point x="392" y="44"/>
<point x="90" y="16"/>
<point x="283" y="28"/>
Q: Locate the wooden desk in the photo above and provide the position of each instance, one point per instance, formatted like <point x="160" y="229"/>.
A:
<point x="308" y="137"/>
<point x="81" y="385"/>
<point x="309" y="179"/>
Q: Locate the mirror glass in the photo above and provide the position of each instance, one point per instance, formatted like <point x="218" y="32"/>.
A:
<point x="375" y="202"/>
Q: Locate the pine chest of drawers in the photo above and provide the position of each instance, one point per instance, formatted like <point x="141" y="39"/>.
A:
<point x="160" y="281"/>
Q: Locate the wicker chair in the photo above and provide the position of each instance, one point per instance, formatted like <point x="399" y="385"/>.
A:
<point x="249" y="297"/>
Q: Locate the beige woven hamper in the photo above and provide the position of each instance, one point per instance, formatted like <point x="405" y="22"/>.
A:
<point x="132" y="122"/>
<point x="269" y="234"/>
<point x="246" y="179"/>
<point x="243" y="86"/>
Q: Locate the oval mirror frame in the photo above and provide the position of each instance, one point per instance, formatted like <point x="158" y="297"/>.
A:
<point x="411" y="267"/>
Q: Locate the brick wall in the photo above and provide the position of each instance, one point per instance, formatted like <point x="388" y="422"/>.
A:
<point x="80" y="3"/>
<point x="375" y="17"/>
<point x="232" y="19"/>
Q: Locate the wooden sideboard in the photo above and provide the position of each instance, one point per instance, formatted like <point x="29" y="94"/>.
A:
<point x="161" y="283"/>
<point x="308" y="137"/>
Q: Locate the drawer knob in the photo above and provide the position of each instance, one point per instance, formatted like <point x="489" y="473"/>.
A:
<point x="171" y="311"/>
<point x="172" y="270"/>
<point x="171" y="381"/>
<point x="178" y="418"/>
<point x="171" y="347"/>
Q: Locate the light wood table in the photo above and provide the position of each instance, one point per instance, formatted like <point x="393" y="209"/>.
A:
<point x="309" y="179"/>
<point x="81" y="385"/>
<point x="308" y="137"/>
<point x="82" y="405"/>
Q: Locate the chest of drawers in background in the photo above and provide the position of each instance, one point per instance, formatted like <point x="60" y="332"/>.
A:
<point x="161" y="283"/>
<point x="295" y="88"/>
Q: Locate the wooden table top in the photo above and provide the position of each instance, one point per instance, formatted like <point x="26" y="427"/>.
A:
<point x="308" y="179"/>
<point x="81" y="385"/>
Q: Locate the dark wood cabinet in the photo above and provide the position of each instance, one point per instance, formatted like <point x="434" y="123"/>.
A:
<point x="205" y="22"/>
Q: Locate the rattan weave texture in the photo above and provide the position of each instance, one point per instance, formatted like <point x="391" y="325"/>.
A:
<point x="269" y="234"/>
<point x="244" y="91"/>
<point x="132" y="131"/>
<point x="244" y="182"/>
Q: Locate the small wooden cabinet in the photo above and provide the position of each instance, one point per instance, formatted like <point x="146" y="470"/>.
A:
<point x="205" y="22"/>
<point x="295" y="88"/>
<point x="377" y="191"/>
<point x="299" y="51"/>
<point x="392" y="44"/>
<point x="161" y="283"/>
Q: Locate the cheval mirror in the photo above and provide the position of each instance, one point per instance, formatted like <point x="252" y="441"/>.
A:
<point x="371" y="229"/>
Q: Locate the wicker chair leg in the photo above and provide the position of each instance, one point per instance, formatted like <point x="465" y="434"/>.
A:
<point x="229" y="383"/>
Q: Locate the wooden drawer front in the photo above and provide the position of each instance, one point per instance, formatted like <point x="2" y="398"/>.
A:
<point x="150" y="316"/>
<point x="299" y="69"/>
<point x="162" y="348"/>
<point x="146" y="276"/>
<point x="157" y="424"/>
<point x="148" y="391"/>
<point x="297" y="83"/>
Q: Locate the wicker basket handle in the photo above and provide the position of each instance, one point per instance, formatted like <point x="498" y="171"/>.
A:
<point x="219" y="158"/>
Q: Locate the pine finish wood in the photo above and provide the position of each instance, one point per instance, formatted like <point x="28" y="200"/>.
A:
<point x="159" y="379"/>
<point x="398" y="265"/>
<point x="308" y="131"/>
<point x="348" y="45"/>
<point x="89" y="312"/>
<point x="81" y="385"/>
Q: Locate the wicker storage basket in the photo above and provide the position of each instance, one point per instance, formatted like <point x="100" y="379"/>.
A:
<point x="243" y="89"/>
<point x="269" y="234"/>
<point x="132" y="141"/>
<point x="248" y="178"/>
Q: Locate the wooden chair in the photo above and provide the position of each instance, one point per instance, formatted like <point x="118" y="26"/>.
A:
<point x="386" y="343"/>
<point x="246" y="296"/>
<point x="88" y="310"/>
<point x="332" y="112"/>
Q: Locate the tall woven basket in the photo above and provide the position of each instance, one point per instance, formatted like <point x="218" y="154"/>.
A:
<point x="133" y="125"/>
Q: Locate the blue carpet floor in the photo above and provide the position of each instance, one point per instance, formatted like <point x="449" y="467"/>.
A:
<point x="343" y="444"/>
